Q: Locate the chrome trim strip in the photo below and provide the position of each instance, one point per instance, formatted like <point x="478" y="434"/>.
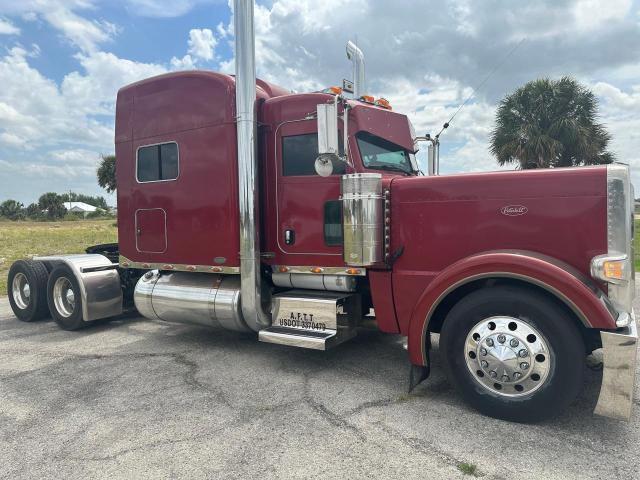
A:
<point x="124" y="262"/>
<point x="619" y="372"/>
<point x="324" y="270"/>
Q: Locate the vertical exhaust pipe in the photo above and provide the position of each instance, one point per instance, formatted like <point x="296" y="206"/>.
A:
<point x="357" y="57"/>
<point x="250" y="275"/>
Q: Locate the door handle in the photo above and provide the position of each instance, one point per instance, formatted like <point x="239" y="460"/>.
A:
<point x="289" y="237"/>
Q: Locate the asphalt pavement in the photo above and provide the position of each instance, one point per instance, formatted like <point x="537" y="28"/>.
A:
<point x="134" y="398"/>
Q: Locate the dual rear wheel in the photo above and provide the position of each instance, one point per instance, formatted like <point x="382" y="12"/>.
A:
<point x="35" y="294"/>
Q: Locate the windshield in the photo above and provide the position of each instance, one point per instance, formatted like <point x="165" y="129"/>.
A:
<point x="378" y="153"/>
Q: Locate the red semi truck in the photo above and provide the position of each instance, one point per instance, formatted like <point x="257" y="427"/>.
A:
<point x="296" y="216"/>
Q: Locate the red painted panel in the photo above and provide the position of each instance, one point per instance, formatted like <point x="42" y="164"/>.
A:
<point x="197" y="111"/>
<point x="151" y="230"/>
<point x="441" y="220"/>
<point x="380" y="283"/>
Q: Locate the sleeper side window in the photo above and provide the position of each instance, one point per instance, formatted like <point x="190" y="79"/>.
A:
<point x="299" y="153"/>
<point x="157" y="163"/>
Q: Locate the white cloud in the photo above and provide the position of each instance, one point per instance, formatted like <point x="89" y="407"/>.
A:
<point x="80" y="31"/>
<point x="8" y="28"/>
<point x="184" y="63"/>
<point x="202" y="43"/>
<point x="164" y="8"/>
<point x="35" y="110"/>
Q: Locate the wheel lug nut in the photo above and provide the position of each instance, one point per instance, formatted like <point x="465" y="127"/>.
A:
<point x="489" y="342"/>
<point x="483" y="351"/>
<point x="505" y="378"/>
<point x="502" y="338"/>
<point x="484" y="364"/>
<point x="493" y="374"/>
<point x="523" y="353"/>
<point x="524" y="365"/>
<point x="517" y="375"/>
<point x="514" y="343"/>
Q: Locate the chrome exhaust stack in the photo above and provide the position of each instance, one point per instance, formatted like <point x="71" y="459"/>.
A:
<point x="250" y="279"/>
<point x="357" y="57"/>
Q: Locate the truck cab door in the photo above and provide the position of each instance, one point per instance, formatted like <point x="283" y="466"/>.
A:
<point x="308" y="209"/>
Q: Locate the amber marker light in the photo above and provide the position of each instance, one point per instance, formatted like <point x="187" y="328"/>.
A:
<point x="367" y="98"/>
<point x="216" y="269"/>
<point x="333" y="90"/>
<point x="317" y="270"/>
<point x="614" y="269"/>
<point x="384" y="103"/>
<point x="353" y="271"/>
<point x="283" y="269"/>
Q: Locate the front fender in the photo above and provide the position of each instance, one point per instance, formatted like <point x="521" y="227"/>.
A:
<point x="575" y="290"/>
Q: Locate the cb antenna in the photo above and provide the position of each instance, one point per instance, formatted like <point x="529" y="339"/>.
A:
<point x="486" y="78"/>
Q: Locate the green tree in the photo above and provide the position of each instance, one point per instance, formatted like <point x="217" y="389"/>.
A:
<point x="33" y="211"/>
<point x="53" y="204"/>
<point x="550" y="123"/>
<point x="12" y="209"/>
<point x="107" y="173"/>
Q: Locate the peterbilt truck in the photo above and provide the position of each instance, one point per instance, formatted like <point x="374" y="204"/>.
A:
<point x="298" y="217"/>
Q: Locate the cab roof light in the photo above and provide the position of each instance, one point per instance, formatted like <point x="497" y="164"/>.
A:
<point x="367" y="99"/>
<point x="384" y="103"/>
<point x="333" y="90"/>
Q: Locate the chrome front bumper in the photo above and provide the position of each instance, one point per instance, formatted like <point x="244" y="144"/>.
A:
<point x="619" y="372"/>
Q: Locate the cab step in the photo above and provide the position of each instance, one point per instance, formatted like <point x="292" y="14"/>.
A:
<point x="312" y="319"/>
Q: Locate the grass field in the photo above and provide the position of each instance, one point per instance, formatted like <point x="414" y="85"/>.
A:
<point x="25" y="239"/>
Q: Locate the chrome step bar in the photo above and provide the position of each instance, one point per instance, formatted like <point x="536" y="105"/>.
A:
<point x="312" y="319"/>
<point x="293" y="337"/>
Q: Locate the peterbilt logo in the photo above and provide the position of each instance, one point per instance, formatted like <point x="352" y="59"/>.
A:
<point x="514" y="210"/>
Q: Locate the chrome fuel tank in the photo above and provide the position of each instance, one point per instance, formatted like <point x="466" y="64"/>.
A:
<point x="194" y="298"/>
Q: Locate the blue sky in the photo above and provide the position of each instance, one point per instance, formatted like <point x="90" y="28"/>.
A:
<point x="62" y="62"/>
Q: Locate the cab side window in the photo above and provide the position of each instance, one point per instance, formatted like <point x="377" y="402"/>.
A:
<point x="157" y="163"/>
<point x="299" y="153"/>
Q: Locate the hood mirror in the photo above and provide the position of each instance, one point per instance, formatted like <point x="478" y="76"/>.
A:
<point x="328" y="147"/>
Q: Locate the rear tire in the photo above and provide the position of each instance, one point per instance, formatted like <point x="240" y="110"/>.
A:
<point x="513" y="353"/>
<point x="64" y="298"/>
<point x="27" y="290"/>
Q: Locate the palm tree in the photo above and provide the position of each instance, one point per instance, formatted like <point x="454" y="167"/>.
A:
<point x="549" y="123"/>
<point x="106" y="173"/>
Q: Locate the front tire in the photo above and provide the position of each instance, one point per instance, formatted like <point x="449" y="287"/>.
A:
<point x="64" y="298"/>
<point x="27" y="290"/>
<point x="513" y="353"/>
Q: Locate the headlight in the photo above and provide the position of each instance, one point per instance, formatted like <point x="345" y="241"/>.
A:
<point x="617" y="267"/>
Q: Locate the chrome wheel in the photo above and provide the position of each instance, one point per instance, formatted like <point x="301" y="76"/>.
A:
<point x="63" y="297"/>
<point x="21" y="291"/>
<point x="508" y="356"/>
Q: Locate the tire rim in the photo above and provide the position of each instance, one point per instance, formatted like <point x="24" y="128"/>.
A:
<point x="64" y="297"/>
<point x="21" y="291"/>
<point x="508" y="356"/>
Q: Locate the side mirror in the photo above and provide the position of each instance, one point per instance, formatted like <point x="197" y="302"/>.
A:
<point x="328" y="147"/>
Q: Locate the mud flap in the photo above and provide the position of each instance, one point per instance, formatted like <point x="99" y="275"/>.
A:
<point x="419" y="373"/>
